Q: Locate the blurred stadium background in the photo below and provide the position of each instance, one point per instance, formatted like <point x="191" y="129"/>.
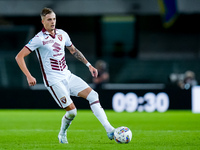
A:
<point x="148" y="45"/>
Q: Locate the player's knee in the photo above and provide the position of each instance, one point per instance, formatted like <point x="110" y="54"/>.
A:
<point x="72" y="113"/>
<point x="92" y="96"/>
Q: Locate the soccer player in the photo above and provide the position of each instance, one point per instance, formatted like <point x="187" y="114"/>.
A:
<point x="49" y="46"/>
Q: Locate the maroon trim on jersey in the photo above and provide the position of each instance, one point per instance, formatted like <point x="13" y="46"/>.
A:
<point x="55" y="96"/>
<point x="42" y="68"/>
<point x="44" y="30"/>
<point x="28" y="48"/>
<point x="53" y="36"/>
<point x="94" y="103"/>
<point x="70" y="45"/>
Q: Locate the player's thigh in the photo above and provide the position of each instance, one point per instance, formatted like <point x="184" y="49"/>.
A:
<point x="61" y="94"/>
<point x="77" y="85"/>
<point x="85" y="92"/>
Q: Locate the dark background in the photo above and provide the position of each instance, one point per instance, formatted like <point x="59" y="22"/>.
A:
<point x="151" y="54"/>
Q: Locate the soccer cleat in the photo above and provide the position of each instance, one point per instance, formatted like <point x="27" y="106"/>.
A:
<point x="62" y="138"/>
<point x="111" y="134"/>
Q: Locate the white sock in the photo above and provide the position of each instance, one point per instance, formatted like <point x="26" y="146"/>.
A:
<point x="101" y="116"/>
<point x="66" y="120"/>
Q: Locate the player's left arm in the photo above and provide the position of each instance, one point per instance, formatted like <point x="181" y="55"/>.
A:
<point x="78" y="55"/>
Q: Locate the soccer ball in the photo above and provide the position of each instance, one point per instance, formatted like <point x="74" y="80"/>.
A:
<point x="122" y="135"/>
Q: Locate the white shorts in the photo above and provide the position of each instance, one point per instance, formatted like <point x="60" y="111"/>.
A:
<point x="62" y="90"/>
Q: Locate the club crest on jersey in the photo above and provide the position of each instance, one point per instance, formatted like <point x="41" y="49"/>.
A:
<point x="63" y="100"/>
<point x="60" y="37"/>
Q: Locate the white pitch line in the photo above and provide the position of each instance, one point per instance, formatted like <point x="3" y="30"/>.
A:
<point x="73" y="130"/>
<point x="166" y="130"/>
<point x="43" y="130"/>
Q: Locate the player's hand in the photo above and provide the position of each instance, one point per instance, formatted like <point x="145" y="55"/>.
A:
<point x="93" y="71"/>
<point x="31" y="81"/>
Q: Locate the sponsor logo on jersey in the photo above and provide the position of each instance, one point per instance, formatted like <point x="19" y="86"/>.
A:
<point x="56" y="47"/>
<point x="57" y="54"/>
<point x="47" y="42"/>
<point x="63" y="100"/>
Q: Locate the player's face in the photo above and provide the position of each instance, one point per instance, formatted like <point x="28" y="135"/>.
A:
<point x="49" y="22"/>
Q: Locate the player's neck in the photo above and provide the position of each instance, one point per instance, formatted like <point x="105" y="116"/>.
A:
<point x="52" y="32"/>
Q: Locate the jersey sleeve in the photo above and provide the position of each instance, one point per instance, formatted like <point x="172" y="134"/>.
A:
<point x="34" y="43"/>
<point x="68" y="40"/>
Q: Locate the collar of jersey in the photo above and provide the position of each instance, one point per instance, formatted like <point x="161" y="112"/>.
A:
<point x="47" y="33"/>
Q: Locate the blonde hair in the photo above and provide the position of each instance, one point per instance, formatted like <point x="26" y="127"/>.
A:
<point x="45" y="11"/>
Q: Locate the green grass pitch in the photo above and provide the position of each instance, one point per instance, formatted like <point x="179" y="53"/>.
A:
<point x="38" y="129"/>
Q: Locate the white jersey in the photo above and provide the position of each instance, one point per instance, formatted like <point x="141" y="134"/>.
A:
<point x="51" y="55"/>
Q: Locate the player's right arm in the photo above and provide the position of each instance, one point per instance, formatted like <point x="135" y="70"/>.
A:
<point x="21" y="62"/>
